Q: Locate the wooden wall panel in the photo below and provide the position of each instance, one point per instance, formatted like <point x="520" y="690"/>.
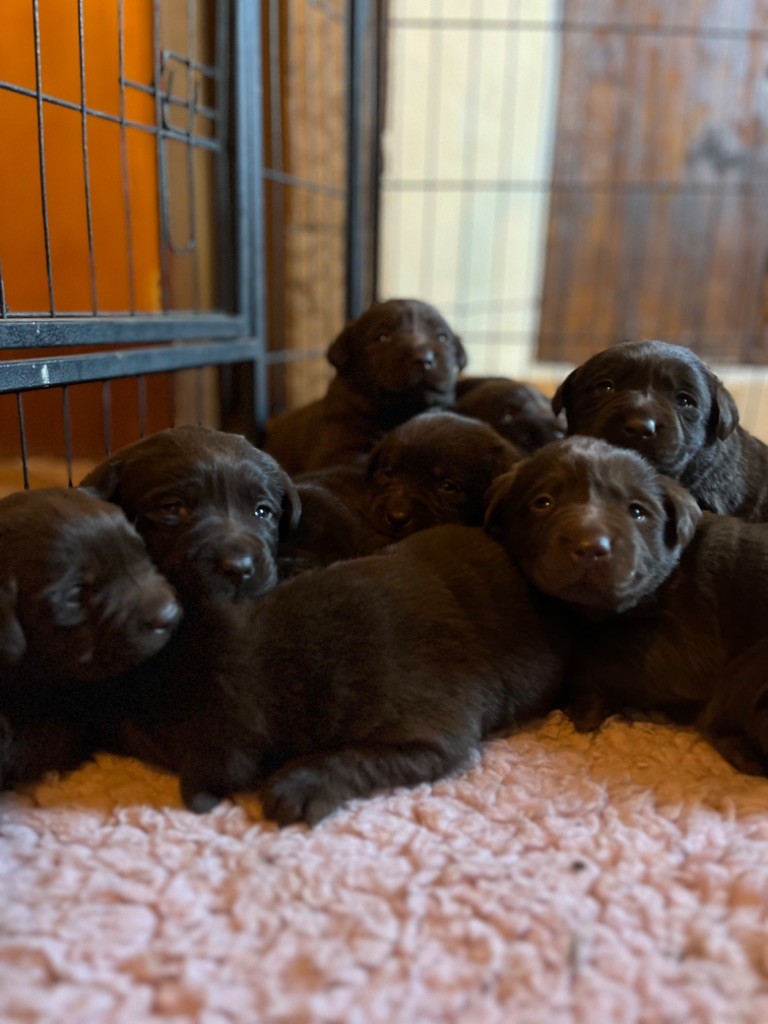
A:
<point x="658" y="221"/>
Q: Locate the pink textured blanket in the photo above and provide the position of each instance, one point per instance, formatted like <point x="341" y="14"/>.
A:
<point x="607" y="879"/>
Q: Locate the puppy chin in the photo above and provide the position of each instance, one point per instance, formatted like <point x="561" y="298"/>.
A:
<point x="599" y="589"/>
<point x="665" y="457"/>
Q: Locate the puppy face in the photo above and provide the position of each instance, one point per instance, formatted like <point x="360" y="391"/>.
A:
<point x="655" y="398"/>
<point x="400" y="351"/>
<point x="435" y="468"/>
<point x="592" y="524"/>
<point x="519" y="412"/>
<point x="81" y="597"/>
<point x="209" y="505"/>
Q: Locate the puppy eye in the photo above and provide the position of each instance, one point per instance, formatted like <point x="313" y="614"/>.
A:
<point x="443" y="336"/>
<point x="449" y="486"/>
<point x="637" y="512"/>
<point x="386" y="472"/>
<point x="542" y="503"/>
<point x="175" y="508"/>
<point x="383" y="337"/>
<point x="686" y="400"/>
<point x="264" y="512"/>
<point x="603" y="387"/>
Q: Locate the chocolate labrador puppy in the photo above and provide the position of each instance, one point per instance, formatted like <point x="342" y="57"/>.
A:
<point x="664" y="402"/>
<point x="384" y="671"/>
<point x="435" y="468"/>
<point x="674" y="601"/>
<point x="519" y="412"/>
<point x="397" y="359"/>
<point x="81" y="602"/>
<point x="209" y="505"/>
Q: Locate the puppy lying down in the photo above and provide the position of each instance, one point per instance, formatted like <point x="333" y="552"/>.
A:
<point x="395" y="360"/>
<point x="519" y="412"/>
<point x="210" y="506"/>
<point x="674" y="601"/>
<point x="664" y="402"/>
<point x="80" y="602"/>
<point x="384" y="671"/>
<point x="435" y="468"/>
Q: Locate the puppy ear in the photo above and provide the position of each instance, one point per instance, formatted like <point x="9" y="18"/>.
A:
<point x="495" y="499"/>
<point x="683" y="513"/>
<point x="341" y="351"/>
<point x="291" y="506"/>
<point x="13" y="643"/>
<point x="461" y="352"/>
<point x="562" y="397"/>
<point x="724" y="414"/>
<point x="104" y="480"/>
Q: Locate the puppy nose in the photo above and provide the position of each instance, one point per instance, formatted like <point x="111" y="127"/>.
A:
<point x="165" y="617"/>
<point x="237" y="567"/>
<point x="640" y="427"/>
<point x="398" y="516"/>
<point x="425" y="359"/>
<point x="591" y="548"/>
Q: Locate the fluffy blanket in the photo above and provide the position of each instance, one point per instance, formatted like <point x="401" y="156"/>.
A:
<point x="621" y="877"/>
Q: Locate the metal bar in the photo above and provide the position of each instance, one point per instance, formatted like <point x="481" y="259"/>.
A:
<point x="22" y="441"/>
<point x="191" y="179"/>
<point x="162" y="177"/>
<point x="586" y="187"/>
<point x="141" y="399"/>
<point x="190" y="62"/>
<point x="225" y="263"/>
<point x="124" y="168"/>
<point x="86" y="168"/>
<point x="29" y="332"/>
<point x="66" y="416"/>
<point x="250" y="198"/>
<point x="587" y="26"/>
<point x="106" y="415"/>
<point x="313" y="186"/>
<point x="355" y="67"/>
<point x="169" y="132"/>
<point x="33" y="374"/>
<point x="38" y="94"/>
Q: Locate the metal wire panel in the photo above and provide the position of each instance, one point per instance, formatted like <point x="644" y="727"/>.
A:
<point x="124" y="221"/>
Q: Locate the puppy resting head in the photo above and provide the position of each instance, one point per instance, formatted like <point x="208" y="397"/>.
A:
<point x="434" y="468"/>
<point x="81" y="598"/>
<point x="400" y="353"/>
<point x="520" y="413"/>
<point x="209" y="505"/>
<point x="658" y="399"/>
<point x="592" y="524"/>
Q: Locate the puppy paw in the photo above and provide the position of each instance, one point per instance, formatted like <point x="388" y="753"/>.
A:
<point x="298" y="795"/>
<point x="196" y="799"/>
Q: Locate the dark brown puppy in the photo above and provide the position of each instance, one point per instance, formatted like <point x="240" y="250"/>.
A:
<point x="209" y="506"/>
<point x="435" y="468"/>
<point x="519" y="412"/>
<point x="82" y="602"/>
<point x="384" y="671"/>
<point x="333" y="524"/>
<point x="397" y="359"/>
<point x="674" y="605"/>
<point x="664" y="402"/>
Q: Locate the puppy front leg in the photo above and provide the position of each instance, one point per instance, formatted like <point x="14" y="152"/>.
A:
<point x="210" y="773"/>
<point x="313" y="787"/>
